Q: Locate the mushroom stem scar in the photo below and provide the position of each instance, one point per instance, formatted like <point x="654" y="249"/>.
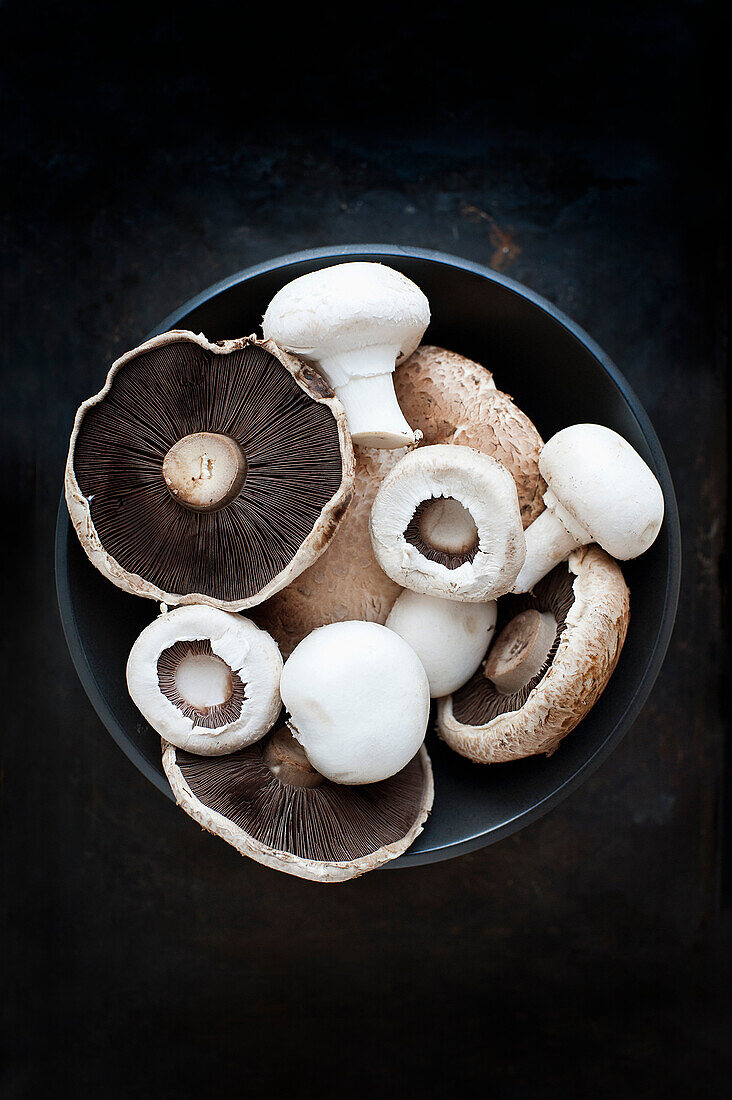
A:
<point x="205" y="471"/>
<point x="520" y="650"/>
<point x="287" y="760"/>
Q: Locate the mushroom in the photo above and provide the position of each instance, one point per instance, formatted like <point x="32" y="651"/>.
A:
<point x="269" y="803"/>
<point x="600" y="490"/>
<point x="450" y="638"/>
<point x="354" y="320"/>
<point x="208" y="473"/>
<point x="551" y="660"/>
<point x="446" y="522"/>
<point x="206" y="680"/>
<point x="455" y="400"/>
<point x="358" y="699"/>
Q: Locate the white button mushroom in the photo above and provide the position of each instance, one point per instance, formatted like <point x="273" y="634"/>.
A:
<point x="446" y="522"/>
<point x="359" y="701"/>
<point x="354" y="320"/>
<point x="206" y="680"/>
<point x="600" y="490"/>
<point x="450" y="638"/>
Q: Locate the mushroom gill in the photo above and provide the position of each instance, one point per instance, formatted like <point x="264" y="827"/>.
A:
<point x="324" y="831"/>
<point x="208" y="472"/>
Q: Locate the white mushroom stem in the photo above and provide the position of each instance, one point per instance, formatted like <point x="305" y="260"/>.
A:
<point x="548" y="542"/>
<point x="449" y="637"/>
<point x="447" y="526"/>
<point x="374" y="416"/>
<point x="520" y="650"/>
<point x="205" y="471"/>
<point x="600" y="490"/>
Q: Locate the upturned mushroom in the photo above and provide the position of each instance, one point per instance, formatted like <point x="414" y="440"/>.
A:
<point x="206" y="680"/>
<point x="446" y="522"/>
<point x="450" y="638"/>
<point x="454" y="400"/>
<point x="269" y="803"/>
<point x="553" y="655"/>
<point x="599" y="490"/>
<point x="355" y="321"/>
<point x="208" y="472"/>
<point x="358" y="699"/>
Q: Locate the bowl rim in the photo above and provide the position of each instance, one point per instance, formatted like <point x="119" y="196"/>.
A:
<point x="637" y="700"/>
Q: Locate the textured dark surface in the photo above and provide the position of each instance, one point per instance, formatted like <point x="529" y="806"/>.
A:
<point x="143" y="158"/>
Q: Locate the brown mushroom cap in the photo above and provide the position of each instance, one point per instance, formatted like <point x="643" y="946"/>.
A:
<point x="452" y="399"/>
<point x="589" y="599"/>
<point x="280" y="503"/>
<point x="324" y="832"/>
<point x="346" y="582"/>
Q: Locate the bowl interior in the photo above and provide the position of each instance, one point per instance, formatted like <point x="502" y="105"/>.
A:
<point x="558" y="376"/>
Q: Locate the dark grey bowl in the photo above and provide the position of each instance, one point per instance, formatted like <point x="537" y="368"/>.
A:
<point x="559" y="376"/>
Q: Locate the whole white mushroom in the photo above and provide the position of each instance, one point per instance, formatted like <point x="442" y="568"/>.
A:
<point x="449" y="637"/>
<point x="358" y="699"/>
<point x="599" y="490"/>
<point x="354" y="321"/>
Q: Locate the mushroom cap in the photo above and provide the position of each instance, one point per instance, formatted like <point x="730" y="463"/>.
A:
<point x="452" y="399"/>
<point x="346" y="582"/>
<point x="484" y="488"/>
<point x="326" y="833"/>
<point x="248" y="657"/>
<point x="352" y="305"/>
<point x="589" y="598"/>
<point x="359" y="701"/>
<point x="450" y="638"/>
<point x="291" y="430"/>
<point x="605" y="486"/>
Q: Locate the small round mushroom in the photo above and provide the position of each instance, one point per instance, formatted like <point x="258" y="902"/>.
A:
<point x="552" y="658"/>
<point x="355" y="320"/>
<point x="450" y="638"/>
<point x="269" y="803"/>
<point x="359" y="701"/>
<point x="600" y="490"/>
<point x="446" y="523"/>
<point x="208" y="472"/>
<point x="206" y="680"/>
<point x="454" y="400"/>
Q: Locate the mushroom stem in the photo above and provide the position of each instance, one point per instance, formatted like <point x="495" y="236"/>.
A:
<point x="447" y="526"/>
<point x="287" y="760"/>
<point x="374" y="416"/>
<point x="520" y="650"/>
<point x="548" y="541"/>
<point x="205" y="471"/>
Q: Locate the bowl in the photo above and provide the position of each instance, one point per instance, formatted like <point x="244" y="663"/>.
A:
<point x="558" y="376"/>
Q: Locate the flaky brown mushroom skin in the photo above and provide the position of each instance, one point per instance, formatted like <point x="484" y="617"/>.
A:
<point x="316" y="542"/>
<point x="452" y="399"/>
<point x="588" y="652"/>
<point x="346" y="582"/>
<point x="288" y="862"/>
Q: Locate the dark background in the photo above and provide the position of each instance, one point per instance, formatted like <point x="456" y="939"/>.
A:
<point x="146" y="153"/>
